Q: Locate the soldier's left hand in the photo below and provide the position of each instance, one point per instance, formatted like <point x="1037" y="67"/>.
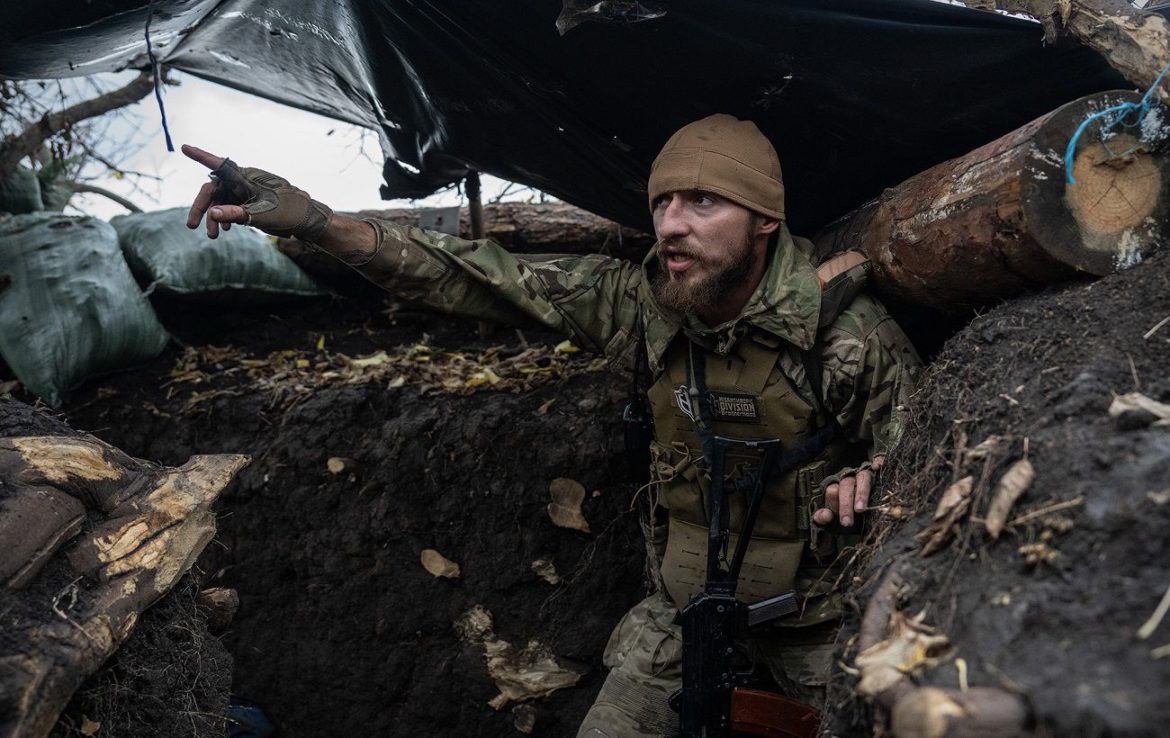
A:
<point x="849" y="496"/>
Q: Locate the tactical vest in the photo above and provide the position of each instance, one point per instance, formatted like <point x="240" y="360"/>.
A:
<point x="752" y="396"/>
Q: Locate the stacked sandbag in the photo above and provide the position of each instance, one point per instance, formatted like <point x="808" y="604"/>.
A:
<point x="20" y="192"/>
<point x="69" y="306"/>
<point x="242" y="266"/>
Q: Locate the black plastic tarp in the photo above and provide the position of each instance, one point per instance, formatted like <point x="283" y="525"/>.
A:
<point x="856" y="94"/>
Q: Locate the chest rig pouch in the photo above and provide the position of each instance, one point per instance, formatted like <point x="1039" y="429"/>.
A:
<point x="738" y="449"/>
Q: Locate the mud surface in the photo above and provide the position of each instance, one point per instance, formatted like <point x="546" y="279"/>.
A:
<point x="1041" y="373"/>
<point x="170" y="677"/>
<point x="341" y="631"/>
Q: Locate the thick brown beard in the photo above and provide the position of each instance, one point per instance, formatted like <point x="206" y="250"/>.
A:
<point x="676" y="295"/>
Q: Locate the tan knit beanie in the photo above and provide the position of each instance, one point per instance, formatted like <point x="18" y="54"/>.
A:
<point x="725" y="156"/>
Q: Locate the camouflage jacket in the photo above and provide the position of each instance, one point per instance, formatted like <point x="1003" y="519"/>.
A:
<point x="606" y="305"/>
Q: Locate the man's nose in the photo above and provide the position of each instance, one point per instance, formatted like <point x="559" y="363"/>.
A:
<point x="670" y="219"/>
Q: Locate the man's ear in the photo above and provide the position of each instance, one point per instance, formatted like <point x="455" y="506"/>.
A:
<point x="767" y="226"/>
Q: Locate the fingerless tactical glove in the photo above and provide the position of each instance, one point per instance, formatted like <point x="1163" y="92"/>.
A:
<point x="272" y="204"/>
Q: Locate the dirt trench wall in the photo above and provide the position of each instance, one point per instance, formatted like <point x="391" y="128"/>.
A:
<point x="1051" y="611"/>
<point x="341" y="631"/>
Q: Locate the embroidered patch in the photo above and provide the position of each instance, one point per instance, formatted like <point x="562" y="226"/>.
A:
<point x="735" y="407"/>
<point x="682" y="398"/>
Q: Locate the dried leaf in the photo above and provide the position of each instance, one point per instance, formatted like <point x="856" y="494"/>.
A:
<point x="544" y="569"/>
<point x="953" y="497"/>
<point x="520" y="674"/>
<point x="952" y="506"/>
<point x="528" y="673"/>
<point x="1136" y="402"/>
<point x="565" y="508"/>
<point x="397" y="382"/>
<point x="566" y="347"/>
<point x="302" y="363"/>
<point x="438" y="565"/>
<point x="475" y="624"/>
<point x="340" y="464"/>
<point x="321" y="343"/>
<point x="984" y="448"/>
<point x="544" y="408"/>
<point x="372" y="360"/>
<point x="480" y="378"/>
<point x="90" y="727"/>
<point x="1012" y="485"/>
<point x="911" y="647"/>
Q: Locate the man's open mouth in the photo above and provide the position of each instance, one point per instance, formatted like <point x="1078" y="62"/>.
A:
<point x="678" y="262"/>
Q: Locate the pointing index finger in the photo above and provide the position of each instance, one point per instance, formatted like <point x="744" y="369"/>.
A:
<point x="206" y="158"/>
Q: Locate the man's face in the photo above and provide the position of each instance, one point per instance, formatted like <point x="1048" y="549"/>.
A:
<point x="706" y="250"/>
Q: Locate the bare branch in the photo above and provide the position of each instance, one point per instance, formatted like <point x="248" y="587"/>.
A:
<point x="92" y="153"/>
<point x="16" y="147"/>
<point x="95" y="190"/>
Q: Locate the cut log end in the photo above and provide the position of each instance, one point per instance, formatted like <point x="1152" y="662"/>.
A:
<point x="1114" y="214"/>
<point x="1003" y="219"/>
<point x="1114" y="191"/>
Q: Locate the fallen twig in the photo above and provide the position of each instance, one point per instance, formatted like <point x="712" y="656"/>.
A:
<point x="1154" y="330"/>
<point x="1155" y="620"/>
<point x="1032" y="515"/>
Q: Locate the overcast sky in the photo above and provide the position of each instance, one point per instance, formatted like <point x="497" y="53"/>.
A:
<point x="318" y="154"/>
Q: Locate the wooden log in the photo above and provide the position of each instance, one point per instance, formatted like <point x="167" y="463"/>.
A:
<point x="1001" y="220"/>
<point x="144" y="525"/>
<point x="1135" y="42"/>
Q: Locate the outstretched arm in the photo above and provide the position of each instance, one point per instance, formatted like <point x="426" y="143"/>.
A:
<point x="590" y="298"/>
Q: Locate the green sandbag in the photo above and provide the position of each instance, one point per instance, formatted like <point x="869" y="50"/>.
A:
<point x="69" y="307"/>
<point x="20" y="192"/>
<point x="241" y="266"/>
<point x="55" y="196"/>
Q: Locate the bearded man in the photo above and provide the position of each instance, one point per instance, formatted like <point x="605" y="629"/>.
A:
<point x="742" y="338"/>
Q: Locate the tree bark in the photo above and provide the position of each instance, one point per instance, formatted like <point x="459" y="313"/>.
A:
<point x="19" y="145"/>
<point x="1000" y="220"/>
<point x="97" y="538"/>
<point x="1136" y="43"/>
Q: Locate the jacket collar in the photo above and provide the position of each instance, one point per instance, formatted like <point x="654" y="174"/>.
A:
<point x="786" y="304"/>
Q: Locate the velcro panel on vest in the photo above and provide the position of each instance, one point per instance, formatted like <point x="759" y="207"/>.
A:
<point x="769" y="566"/>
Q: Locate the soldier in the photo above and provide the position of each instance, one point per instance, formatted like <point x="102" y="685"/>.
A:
<point x="728" y="302"/>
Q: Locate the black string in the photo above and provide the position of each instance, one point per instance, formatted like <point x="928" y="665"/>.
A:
<point x="155" y="69"/>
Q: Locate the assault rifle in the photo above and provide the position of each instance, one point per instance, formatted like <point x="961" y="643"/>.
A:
<point x="713" y="701"/>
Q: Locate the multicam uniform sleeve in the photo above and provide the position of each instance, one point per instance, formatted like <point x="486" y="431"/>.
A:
<point x="592" y="299"/>
<point x="872" y="369"/>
